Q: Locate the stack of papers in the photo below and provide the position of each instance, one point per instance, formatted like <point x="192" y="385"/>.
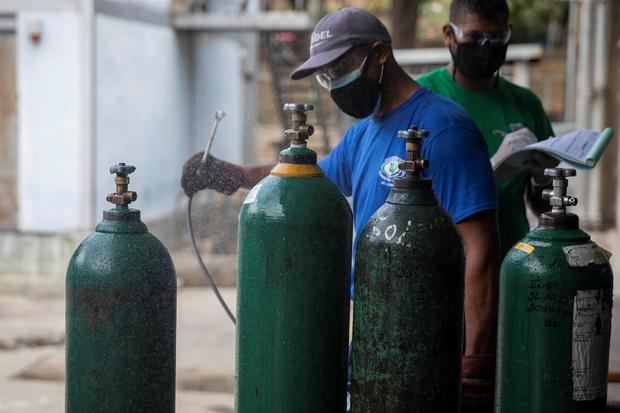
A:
<point x="581" y="149"/>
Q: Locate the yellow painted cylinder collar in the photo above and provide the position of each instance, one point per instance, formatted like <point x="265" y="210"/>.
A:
<point x="296" y="170"/>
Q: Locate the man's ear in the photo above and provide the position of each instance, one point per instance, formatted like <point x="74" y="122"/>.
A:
<point x="447" y="34"/>
<point x="381" y="50"/>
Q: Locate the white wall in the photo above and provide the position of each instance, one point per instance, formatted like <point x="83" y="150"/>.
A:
<point x="49" y="121"/>
<point x="218" y="85"/>
<point x="224" y="69"/>
<point x="157" y="5"/>
<point x="154" y="99"/>
<point x="142" y="111"/>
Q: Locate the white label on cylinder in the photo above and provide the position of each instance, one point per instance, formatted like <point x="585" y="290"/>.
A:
<point x="252" y="194"/>
<point x="585" y="254"/>
<point x="591" y="335"/>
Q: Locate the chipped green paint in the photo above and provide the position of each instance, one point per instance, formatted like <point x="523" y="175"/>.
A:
<point x="120" y="320"/>
<point x="408" y="312"/>
<point x="293" y="297"/>
<point x="535" y="361"/>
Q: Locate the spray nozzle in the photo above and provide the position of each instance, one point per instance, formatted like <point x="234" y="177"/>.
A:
<point x="219" y="115"/>
<point x="557" y="196"/>
<point x="413" y="164"/>
<point x="122" y="196"/>
<point x="300" y="132"/>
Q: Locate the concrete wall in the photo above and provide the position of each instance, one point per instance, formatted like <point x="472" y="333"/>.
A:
<point x="142" y="111"/>
<point x="223" y="77"/>
<point x="222" y="80"/>
<point x="49" y="115"/>
<point x="154" y="92"/>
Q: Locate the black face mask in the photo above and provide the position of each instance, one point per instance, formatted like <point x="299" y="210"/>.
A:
<point x="360" y="97"/>
<point x="479" y="62"/>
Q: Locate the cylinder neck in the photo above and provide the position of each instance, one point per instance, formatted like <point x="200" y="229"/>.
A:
<point x="298" y="154"/>
<point x="417" y="192"/>
<point x="558" y="220"/>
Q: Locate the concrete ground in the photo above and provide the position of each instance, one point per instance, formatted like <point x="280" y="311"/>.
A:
<point x="32" y="353"/>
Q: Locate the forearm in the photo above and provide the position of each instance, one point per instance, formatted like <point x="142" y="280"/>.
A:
<point x="254" y="174"/>
<point x="481" y="242"/>
<point x="481" y="299"/>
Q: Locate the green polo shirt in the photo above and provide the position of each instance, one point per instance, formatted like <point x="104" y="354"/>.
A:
<point x="496" y="112"/>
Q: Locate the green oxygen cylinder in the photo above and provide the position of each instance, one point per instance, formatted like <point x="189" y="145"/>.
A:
<point x="554" y="315"/>
<point x="295" y="230"/>
<point x="408" y="301"/>
<point x="120" y="315"/>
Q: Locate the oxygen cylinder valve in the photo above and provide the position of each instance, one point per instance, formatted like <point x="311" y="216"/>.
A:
<point x="414" y="164"/>
<point x="557" y="196"/>
<point x="300" y="132"/>
<point x="122" y="197"/>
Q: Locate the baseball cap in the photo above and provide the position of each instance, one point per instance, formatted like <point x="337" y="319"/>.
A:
<point x="336" y="33"/>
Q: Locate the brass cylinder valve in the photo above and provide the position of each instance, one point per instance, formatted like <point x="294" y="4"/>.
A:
<point x="413" y="164"/>
<point x="122" y="196"/>
<point x="300" y="132"/>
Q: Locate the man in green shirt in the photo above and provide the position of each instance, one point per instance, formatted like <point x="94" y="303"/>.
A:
<point x="477" y="37"/>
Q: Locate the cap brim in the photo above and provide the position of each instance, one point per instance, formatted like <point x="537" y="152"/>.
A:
<point x="318" y="60"/>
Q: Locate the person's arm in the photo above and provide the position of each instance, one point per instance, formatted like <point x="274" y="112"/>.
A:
<point x="465" y="187"/>
<point x="481" y="241"/>
<point x="227" y="177"/>
<point x="222" y="176"/>
<point x="254" y="174"/>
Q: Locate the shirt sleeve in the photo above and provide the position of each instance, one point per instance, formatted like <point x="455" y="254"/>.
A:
<point x="336" y="166"/>
<point x="462" y="176"/>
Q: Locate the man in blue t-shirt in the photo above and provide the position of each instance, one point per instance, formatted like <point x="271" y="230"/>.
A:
<point x="365" y="162"/>
<point x="351" y="56"/>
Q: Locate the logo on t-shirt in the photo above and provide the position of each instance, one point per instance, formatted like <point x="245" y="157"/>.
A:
<point x="389" y="170"/>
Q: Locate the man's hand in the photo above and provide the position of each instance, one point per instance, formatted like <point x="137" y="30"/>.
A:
<point x="215" y="174"/>
<point x="478" y="383"/>
<point x="513" y="142"/>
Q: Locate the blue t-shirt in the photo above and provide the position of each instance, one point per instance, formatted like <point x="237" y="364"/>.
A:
<point x="365" y="162"/>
